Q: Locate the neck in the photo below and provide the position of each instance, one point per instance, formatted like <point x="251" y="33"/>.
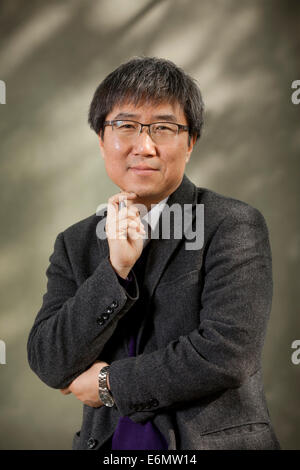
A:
<point x="148" y="202"/>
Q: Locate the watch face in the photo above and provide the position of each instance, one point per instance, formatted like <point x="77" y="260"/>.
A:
<point x="106" y="399"/>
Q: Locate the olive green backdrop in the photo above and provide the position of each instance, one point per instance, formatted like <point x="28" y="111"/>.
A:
<point x="53" y="54"/>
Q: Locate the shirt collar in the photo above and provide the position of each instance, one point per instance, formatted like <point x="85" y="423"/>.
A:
<point x="152" y="216"/>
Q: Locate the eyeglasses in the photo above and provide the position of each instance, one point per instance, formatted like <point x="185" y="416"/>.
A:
<point x="160" y="132"/>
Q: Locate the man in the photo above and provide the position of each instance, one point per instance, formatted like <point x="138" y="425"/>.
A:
<point x="162" y="343"/>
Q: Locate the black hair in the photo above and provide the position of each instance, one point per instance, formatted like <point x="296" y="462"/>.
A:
<point x="149" y="79"/>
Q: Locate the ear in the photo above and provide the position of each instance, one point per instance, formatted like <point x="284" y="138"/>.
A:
<point x="101" y="143"/>
<point x="190" y="147"/>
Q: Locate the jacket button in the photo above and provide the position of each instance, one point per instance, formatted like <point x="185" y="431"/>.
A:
<point x="114" y="304"/>
<point x="109" y="310"/>
<point x="100" y="321"/>
<point x="154" y="402"/>
<point x="91" y="443"/>
<point x="105" y="316"/>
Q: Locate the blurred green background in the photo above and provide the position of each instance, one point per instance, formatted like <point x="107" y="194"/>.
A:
<point x="53" y="54"/>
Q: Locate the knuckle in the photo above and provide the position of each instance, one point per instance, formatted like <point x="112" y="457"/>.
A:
<point x="132" y="223"/>
<point x="134" y="211"/>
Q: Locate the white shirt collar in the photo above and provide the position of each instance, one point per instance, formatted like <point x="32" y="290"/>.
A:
<point x="152" y="216"/>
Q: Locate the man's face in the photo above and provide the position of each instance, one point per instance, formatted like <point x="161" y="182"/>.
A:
<point x="167" y="160"/>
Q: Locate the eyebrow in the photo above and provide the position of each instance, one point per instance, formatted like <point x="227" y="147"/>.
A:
<point x="125" y="115"/>
<point x="166" y="117"/>
<point x="163" y="117"/>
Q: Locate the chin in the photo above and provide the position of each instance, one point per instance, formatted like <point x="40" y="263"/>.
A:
<point x="140" y="189"/>
<point x="141" y="193"/>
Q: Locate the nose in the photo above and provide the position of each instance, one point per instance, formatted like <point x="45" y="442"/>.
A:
<point x="143" y="144"/>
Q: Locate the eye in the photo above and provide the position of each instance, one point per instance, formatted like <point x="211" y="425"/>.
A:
<point x="168" y="128"/>
<point x="125" y="125"/>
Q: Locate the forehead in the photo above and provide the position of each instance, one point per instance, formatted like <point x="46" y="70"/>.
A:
<point x="148" y="111"/>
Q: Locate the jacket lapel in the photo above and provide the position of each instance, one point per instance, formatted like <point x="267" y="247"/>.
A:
<point x="161" y="249"/>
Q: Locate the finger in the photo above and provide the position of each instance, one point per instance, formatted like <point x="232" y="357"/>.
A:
<point x="122" y="225"/>
<point x="122" y="204"/>
<point x="123" y="196"/>
<point x="117" y="221"/>
<point x="136" y="228"/>
<point x="134" y="234"/>
<point x="125" y="224"/>
<point x="136" y="225"/>
<point x="126" y="214"/>
<point x="130" y="211"/>
<point x="114" y="212"/>
<point x="133" y="210"/>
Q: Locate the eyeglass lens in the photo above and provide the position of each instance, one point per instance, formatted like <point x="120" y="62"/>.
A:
<point x="159" y="131"/>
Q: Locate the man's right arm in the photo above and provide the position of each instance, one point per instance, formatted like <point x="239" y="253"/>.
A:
<point x="74" y="323"/>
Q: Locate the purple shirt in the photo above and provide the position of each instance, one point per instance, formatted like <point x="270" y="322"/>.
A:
<point x="128" y="434"/>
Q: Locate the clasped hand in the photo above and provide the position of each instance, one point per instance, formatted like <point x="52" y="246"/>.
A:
<point x="86" y="386"/>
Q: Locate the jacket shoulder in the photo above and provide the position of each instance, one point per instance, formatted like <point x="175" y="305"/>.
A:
<point x="217" y="207"/>
<point x="81" y="231"/>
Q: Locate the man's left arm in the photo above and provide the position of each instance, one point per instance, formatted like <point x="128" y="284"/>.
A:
<point x="86" y="386"/>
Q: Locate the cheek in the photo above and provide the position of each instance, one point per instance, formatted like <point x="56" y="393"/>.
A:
<point x="116" y="146"/>
<point x="112" y="152"/>
<point x="115" y="158"/>
<point x="115" y="164"/>
<point x="175" y="162"/>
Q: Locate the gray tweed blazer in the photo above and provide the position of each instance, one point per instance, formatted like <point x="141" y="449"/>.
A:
<point x="198" y="372"/>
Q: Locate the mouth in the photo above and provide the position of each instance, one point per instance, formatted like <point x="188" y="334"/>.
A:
<point x="143" y="170"/>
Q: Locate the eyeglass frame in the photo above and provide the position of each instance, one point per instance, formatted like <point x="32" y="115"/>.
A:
<point x="180" y="127"/>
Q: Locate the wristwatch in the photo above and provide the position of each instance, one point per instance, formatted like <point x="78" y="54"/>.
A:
<point x="104" y="393"/>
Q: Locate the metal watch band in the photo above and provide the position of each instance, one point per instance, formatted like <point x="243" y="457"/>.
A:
<point x="104" y="393"/>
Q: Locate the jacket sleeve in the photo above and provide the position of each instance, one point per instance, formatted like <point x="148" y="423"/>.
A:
<point x="74" y="323"/>
<point x="226" y="347"/>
